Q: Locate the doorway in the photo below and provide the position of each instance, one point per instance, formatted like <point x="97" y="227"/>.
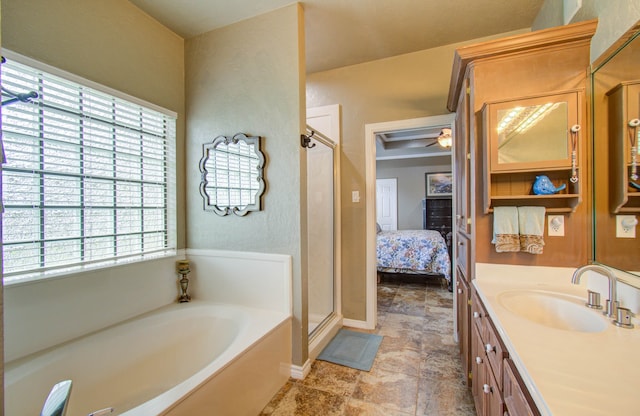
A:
<point x="373" y="133"/>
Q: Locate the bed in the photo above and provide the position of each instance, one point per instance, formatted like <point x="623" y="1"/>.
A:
<point x="413" y="252"/>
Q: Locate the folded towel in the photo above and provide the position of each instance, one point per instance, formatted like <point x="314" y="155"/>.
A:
<point x="505" y="229"/>
<point x="531" y="223"/>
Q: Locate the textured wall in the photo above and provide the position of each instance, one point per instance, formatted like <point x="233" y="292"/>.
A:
<point x="247" y="78"/>
<point x="614" y="19"/>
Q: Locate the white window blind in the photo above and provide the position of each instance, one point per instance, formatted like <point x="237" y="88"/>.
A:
<point x="88" y="176"/>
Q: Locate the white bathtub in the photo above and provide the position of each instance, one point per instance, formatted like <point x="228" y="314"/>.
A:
<point x="183" y="359"/>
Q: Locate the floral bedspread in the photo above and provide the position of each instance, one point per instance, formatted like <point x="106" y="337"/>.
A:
<point x="414" y="251"/>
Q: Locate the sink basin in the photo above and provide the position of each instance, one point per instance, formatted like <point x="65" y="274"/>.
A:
<point x="554" y="310"/>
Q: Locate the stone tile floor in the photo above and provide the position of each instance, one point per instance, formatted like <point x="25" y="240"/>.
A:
<point x="416" y="371"/>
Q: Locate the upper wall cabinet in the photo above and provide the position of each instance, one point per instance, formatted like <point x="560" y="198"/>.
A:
<point x="531" y="133"/>
<point x="528" y="138"/>
<point x="624" y="127"/>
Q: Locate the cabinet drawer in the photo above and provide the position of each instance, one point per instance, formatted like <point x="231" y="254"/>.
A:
<point x="479" y="317"/>
<point x="496" y="351"/>
<point x="517" y="399"/>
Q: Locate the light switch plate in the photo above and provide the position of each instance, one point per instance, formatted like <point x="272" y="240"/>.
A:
<point x="355" y="196"/>
<point x="556" y="225"/>
<point x="626" y="226"/>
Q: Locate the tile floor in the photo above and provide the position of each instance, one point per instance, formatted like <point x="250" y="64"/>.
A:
<point x="416" y="371"/>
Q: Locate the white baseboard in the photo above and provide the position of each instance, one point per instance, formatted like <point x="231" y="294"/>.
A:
<point x="298" y="372"/>
<point x="352" y="323"/>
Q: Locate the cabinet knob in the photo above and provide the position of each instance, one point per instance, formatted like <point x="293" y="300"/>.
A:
<point x="476" y="315"/>
<point x="460" y="243"/>
<point x="489" y="348"/>
<point x="478" y="360"/>
<point x="486" y="388"/>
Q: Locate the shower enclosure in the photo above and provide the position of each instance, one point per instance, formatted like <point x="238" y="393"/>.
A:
<point x="320" y="229"/>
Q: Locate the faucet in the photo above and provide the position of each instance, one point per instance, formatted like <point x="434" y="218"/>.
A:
<point x="612" y="302"/>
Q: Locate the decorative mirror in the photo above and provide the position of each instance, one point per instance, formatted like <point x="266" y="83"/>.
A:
<point x="232" y="175"/>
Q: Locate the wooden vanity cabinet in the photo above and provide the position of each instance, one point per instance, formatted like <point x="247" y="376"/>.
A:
<point x="529" y="136"/>
<point x="497" y="387"/>
<point x="517" y="399"/>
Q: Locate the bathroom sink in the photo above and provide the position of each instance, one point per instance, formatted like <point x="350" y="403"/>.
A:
<point x="553" y="310"/>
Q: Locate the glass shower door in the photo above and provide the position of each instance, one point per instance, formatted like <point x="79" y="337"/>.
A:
<point x="320" y="228"/>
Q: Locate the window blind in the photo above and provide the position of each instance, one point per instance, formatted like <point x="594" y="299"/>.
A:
<point x="88" y="176"/>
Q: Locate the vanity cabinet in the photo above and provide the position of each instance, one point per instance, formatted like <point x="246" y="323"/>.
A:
<point x="624" y="159"/>
<point x="529" y="69"/>
<point x="531" y="136"/>
<point x="497" y="387"/>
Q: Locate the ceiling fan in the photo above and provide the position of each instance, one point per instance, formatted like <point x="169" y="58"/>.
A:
<point x="444" y="139"/>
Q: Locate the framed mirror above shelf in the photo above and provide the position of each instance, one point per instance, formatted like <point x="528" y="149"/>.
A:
<point x="624" y="159"/>
<point x="528" y="139"/>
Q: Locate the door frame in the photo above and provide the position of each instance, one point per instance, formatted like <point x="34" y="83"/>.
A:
<point x="446" y="120"/>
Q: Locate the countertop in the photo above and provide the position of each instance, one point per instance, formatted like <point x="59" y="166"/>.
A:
<point x="568" y="373"/>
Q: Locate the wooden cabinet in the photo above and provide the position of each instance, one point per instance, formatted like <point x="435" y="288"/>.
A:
<point x="530" y="136"/>
<point x="463" y="314"/>
<point x="517" y="399"/>
<point x="437" y="215"/>
<point x="624" y="127"/>
<point x="497" y="387"/>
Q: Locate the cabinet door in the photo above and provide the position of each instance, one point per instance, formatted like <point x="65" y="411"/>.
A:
<point x="478" y="370"/>
<point x="517" y="399"/>
<point x="462" y="157"/>
<point x="463" y="311"/>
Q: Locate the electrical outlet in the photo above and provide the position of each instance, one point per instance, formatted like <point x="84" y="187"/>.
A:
<point x="556" y="225"/>
<point x="626" y="226"/>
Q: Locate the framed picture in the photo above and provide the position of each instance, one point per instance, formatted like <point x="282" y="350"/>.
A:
<point x="439" y="184"/>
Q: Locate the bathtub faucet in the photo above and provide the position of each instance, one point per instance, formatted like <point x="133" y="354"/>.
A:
<point x="183" y="270"/>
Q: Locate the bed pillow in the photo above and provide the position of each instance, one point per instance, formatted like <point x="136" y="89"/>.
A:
<point x="378" y="228"/>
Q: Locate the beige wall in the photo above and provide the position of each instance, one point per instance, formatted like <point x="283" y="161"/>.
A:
<point x="247" y="77"/>
<point x="614" y="19"/>
<point x="403" y="87"/>
<point x="110" y="42"/>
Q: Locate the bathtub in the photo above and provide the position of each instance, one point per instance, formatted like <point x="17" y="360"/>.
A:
<point x="183" y="359"/>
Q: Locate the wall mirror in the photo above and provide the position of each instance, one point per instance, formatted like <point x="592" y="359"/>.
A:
<point x="531" y="132"/>
<point x="615" y="104"/>
<point x="232" y="175"/>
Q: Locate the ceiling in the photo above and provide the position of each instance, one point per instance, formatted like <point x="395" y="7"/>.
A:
<point x="375" y="29"/>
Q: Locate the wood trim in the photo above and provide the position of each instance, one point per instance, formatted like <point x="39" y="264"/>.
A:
<point x="575" y="33"/>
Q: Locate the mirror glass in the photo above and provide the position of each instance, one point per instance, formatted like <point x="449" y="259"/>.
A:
<point x="232" y="175"/>
<point x="532" y="133"/>
<point x="616" y="102"/>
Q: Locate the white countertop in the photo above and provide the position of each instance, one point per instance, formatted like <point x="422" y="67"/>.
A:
<point x="568" y="373"/>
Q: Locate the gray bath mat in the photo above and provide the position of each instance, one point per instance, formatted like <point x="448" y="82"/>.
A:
<point x="352" y="349"/>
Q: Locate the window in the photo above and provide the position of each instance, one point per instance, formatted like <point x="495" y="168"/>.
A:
<point x="88" y="176"/>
